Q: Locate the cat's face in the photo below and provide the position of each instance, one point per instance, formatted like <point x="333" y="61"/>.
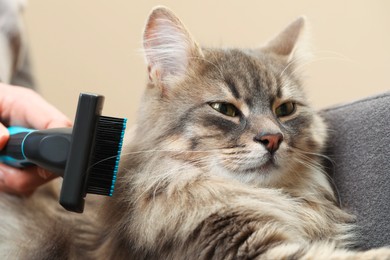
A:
<point x="237" y="112"/>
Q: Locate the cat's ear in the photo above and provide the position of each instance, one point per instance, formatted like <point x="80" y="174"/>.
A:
<point x="291" y="41"/>
<point x="168" y="47"/>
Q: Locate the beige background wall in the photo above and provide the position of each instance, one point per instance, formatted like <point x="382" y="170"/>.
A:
<point x="93" y="45"/>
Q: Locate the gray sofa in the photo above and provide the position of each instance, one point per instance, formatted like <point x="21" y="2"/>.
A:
<point x="359" y="149"/>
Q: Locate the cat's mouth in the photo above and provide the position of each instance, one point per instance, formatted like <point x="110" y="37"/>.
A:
<point x="265" y="167"/>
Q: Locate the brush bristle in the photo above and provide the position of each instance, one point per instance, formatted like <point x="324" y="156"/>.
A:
<point x="105" y="157"/>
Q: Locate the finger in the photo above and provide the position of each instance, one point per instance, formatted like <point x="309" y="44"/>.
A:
<point x="22" y="181"/>
<point x="64" y="122"/>
<point x="44" y="115"/>
<point x="47" y="115"/>
<point x="4" y="136"/>
<point x="21" y="106"/>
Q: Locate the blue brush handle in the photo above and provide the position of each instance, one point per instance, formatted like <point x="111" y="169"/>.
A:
<point x="19" y="129"/>
<point x="13" y="153"/>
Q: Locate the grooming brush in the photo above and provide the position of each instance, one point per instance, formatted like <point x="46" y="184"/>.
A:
<point x="86" y="156"/>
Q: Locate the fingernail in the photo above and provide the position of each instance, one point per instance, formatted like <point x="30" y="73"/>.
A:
<point x="3" y="140"/>
<point x="43" y="173"/>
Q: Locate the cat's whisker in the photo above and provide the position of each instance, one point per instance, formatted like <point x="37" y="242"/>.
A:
<point x="304" y="60"/>
<point x="220" y="65"/>
<point x="167" y="151"/>
<point x="338" y="54"/>
<point x="208" y="61"/>
<point x="300" y="66"/>
<point x="128" y="154"/>
<point x="158" y="180"/>
<point x="316" y="166"/>
<point x="327" y="158"/>
<point x="295" y="60"/>
<point x="311" y="61"/>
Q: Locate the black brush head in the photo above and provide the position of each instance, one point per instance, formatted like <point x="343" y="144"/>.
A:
<point x="93" y="154"/>
<point x="106" y="154"/>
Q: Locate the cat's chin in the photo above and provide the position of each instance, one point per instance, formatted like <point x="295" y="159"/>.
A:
<point x="256" y="175"/>
<point x="265" y="168"/>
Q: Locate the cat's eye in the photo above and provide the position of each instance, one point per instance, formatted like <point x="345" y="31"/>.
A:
<point x="225" y="108"/>
<point x="285" y="109"/>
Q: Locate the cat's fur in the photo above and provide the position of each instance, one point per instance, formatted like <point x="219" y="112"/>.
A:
<point x="195" y="183"/>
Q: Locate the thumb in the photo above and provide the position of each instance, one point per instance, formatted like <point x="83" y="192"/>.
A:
<point x="4" y="136"/>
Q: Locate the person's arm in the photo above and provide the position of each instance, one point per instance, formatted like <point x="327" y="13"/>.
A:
<point x="24" y="107"/>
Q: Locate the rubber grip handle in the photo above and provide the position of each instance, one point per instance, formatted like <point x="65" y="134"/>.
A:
<point x="48" y="148"/>
<point x="13" y="154"/>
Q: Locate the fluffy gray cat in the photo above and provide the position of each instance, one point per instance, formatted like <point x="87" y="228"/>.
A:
<point x="223" y="163"/>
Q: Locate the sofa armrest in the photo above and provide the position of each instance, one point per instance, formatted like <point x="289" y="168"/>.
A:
<point x="359" y="148"/>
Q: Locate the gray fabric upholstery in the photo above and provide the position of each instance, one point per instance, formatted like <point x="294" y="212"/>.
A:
<point x="359" y="147"/>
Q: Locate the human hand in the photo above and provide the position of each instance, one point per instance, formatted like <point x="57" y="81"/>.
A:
<point x="23" y="107"/>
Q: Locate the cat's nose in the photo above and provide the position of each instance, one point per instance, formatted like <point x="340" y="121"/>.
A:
<point x="270" y="141"/>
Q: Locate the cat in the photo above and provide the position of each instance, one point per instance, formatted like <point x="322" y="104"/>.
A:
<point x="224" y="162"/>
